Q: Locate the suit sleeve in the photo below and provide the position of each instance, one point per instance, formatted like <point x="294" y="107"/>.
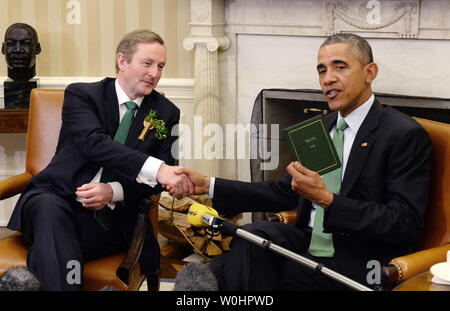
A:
<point x="398" y="217"/>
<point x="231" y="197"/>
<point x="82" y="122"/>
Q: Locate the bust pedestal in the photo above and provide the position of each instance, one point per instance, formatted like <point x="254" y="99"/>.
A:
<point x="17" y="93"/>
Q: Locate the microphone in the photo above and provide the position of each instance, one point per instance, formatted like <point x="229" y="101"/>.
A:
<point x="200" y="215"/>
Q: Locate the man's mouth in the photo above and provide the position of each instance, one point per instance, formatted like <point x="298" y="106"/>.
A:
<point x="18" y="59"/>
<point x="148" y="83"/>
<point x="331" y="94"/>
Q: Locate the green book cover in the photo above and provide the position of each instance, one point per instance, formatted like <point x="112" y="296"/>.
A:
<point x="310" y="143"/>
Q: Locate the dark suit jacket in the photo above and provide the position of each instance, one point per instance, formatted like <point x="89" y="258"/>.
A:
<point x="379" y="213"/>
<point x="90" y="118"/>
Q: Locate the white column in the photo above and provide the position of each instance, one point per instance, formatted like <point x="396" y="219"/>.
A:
<point x="207" y="37"/>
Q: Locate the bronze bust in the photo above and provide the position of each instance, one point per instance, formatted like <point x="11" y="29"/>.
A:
<point x="20" y="48"/>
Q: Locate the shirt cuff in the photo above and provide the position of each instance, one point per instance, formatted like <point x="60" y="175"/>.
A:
<point x="149" y="171"/>
<point x="118" y="195"/>
<point x="210" y="193"/>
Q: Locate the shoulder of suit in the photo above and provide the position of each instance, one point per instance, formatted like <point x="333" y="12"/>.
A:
<point x="397" y="120"/>
<point x="164" y="101"/>
<point x="89" y="86"/>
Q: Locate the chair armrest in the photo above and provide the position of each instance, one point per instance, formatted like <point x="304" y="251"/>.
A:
<point x="405" y="267"/>
<point x="132" y="256"/>
<point x="286" y="217"/>
<point x="11" y="186"/>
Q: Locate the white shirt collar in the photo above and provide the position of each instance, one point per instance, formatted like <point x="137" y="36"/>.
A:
<point x="122" y="97"/>
<point x="357" y="116"/>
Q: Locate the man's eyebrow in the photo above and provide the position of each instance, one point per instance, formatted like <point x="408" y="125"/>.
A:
<point x="339" y="62"/>
<point x="146" y="58"/>
<point x="334" y="62"/>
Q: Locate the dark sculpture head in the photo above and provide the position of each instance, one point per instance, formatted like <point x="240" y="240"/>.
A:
<point x="20" y="48"/>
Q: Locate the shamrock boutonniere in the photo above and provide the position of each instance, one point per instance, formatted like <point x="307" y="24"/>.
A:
<point x="150" y="123"/>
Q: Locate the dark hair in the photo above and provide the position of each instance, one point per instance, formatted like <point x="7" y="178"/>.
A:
<point x="127" y="45"/>
<point x="359" y="45"/>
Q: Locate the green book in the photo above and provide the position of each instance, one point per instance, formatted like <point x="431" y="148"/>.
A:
<point x="310" y="143"/>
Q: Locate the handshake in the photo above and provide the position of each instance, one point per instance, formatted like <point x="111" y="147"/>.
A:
<point x="181" y="182"/>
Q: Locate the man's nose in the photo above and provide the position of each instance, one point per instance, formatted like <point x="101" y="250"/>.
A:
<point x="153" y="70"/>
<point x="17" y="47"/>
<point x="330" y="77"/>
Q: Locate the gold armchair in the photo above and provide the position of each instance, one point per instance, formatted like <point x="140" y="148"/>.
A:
<point x="121" y="271"/>
<point x="434" y="241"/>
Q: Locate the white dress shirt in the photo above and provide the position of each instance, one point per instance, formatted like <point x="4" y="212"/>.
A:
<point x="149" y="170"/>
<point x="354" y="121"/>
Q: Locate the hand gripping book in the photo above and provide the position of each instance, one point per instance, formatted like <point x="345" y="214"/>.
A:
<point x="310" y="143"/>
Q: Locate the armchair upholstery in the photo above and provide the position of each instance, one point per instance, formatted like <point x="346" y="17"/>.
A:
<point x="434" y="241"/>
<point x="121" y="271"/>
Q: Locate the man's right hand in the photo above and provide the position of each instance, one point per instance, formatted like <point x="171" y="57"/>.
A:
<point x="179" y="184"/>
<point x="201" y="183"/>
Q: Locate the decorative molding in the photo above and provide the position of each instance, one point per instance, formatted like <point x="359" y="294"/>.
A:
<point x="212" y="43"/>
<point x="391" y="19"/>
<point x="402" y="16"/>
<point x="200" y="11"/>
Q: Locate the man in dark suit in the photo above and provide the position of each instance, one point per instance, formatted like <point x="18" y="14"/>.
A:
<point x="94" y="170"/>
<point x="376" y="210"/>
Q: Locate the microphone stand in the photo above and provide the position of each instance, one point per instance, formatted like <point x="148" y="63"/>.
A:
<point x="219" y="224"/>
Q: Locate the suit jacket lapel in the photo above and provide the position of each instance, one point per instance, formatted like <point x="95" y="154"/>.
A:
<point x="138" y="123"/>
<point x="364" y="141"/>
<point x="111" y="109"/>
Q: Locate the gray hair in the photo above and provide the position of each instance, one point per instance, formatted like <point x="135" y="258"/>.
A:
<point x="359" y="46"/>
<point x="127" y="45"/>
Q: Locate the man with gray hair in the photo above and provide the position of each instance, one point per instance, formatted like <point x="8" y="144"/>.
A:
<point x="84" y="204"/>
<point x="371" y="209"/>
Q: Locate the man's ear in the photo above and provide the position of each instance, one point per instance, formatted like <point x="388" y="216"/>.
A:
<point x="3" y="48"/>
<point x="371" y="72"/>
<point x="38" y="48"/>
<point x="121" y="60"/>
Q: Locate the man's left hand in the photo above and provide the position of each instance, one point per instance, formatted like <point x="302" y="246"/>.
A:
<point x="309" y="184"/>
<point x="95" y="195"/>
